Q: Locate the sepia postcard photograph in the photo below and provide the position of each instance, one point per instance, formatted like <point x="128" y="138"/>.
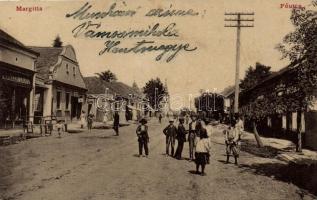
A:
<point x="158" y="100"/>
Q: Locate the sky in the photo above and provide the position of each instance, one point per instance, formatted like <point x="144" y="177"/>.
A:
<point x="211" y="66"/>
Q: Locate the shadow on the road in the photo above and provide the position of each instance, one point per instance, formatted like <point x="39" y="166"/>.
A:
<point x="218" y="143"/>
<point x="193" y="172"/>
<point x="304" y="174"/>
<point x="222" y="161"/>
<point x="264" y="152"/>
<point x="97" y="137"/>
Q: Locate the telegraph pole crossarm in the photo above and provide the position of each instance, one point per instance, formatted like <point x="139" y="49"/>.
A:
<point x="237" y="19"/>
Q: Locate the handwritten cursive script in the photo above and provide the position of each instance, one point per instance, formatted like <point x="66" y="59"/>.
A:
<point x="143" y="46"/>
<point x="92" y="27"/>
<point x="90" y="30"/>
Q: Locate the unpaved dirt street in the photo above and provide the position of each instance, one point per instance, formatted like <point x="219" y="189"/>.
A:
<point x="100" y="166"/>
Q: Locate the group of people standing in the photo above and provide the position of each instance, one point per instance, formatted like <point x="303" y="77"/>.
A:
<point x="88" y="119"/>
<point x="198" y="140"/>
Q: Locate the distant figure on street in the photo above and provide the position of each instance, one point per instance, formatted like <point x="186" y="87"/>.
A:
<point x="160" y="118"/>
<point x="143" y="137"/>
<point x="202" y="154"/>
<point x="116" y="122"/>
<point x="170" y="132"/>
<point x="90" y="120"/>
<point x="239" y="126"/>
<point x="82" y="119"/>
<point x="192" y="136"/>
<point x="60" y="127"/>
<point x="186" y="119"/>
<point x="181" y="138"/>
<point x="231" y="139"/>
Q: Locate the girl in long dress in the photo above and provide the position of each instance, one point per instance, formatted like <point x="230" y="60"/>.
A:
<point x="202" y="152"/>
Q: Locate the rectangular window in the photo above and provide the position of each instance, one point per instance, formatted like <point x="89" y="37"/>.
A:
<point x="67" y="70"/>
<point x="284" y="122"/>
<point x="74" y="71"/>
<point x="67" y="100"/>
<point x="58" y="100"/>
<point x="294" y="121"/>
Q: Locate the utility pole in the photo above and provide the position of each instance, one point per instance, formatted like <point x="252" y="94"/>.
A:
<point x="237" y="18"/>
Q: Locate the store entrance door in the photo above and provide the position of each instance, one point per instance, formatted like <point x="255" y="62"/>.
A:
<point x="74" y="102"/>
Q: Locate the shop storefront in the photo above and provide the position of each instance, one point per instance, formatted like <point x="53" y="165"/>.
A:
<point x="15" y="95"/>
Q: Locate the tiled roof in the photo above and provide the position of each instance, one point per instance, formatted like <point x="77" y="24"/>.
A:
<point x="6" y="38"/>
<point x="97" y="86"/>
<point x="48" y="57"/>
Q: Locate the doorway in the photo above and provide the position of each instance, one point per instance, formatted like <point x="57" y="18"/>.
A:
<point x="75" y="108"/>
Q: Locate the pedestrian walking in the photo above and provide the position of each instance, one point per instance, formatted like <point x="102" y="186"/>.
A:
<point x="202" y="152"/>
<point x="170" y="132"/>
<point x="60" y="128"/>
<point x="231" y="138"/>
<point x="116" y="122"/>
<point x="82" y="119"/>
<point x="160" y="118"/>
<point x="143" y="137"/>
<point x="90" y="120"/>
<point x="181" y="138"/>
<point x="192" y="136"/>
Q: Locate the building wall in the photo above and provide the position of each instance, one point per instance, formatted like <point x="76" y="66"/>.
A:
<point x="47" y="101"/>
<point x="63" y="112"/>
<point x="67" y="69"/>
<point x="17" y="57"/>
<point x="22" y="61"/>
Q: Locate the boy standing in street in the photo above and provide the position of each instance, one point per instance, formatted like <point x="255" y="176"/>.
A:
<point x="143" y="137"/>
<point x="192" y="136"/>
<point x="60" y="127"/>
<point x="170" y="132"/>
<point x="90" y="118"/>
<point x="231" y="138"/>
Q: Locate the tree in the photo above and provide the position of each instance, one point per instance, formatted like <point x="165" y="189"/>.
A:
<point x="135" y="87"/>
<point x="57" y="42"/>
<point x="155" y="92"/>
<point x="300" y="46"/>
<point x="255" y="75"/>
<point x="107" y="76"/>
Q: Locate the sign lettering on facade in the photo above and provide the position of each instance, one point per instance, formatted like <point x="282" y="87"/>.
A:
<point x="16" y="79"/>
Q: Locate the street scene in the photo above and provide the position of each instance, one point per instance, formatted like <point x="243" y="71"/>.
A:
<point x="99" y="165"/>
<point x="158" y="100"/>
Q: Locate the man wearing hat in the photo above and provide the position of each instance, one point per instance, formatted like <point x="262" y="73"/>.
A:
<point x="192" y="135"/>
<point x="143" y="137"/>
<point x="170" y="132"/>
<point x="181" y="138"/>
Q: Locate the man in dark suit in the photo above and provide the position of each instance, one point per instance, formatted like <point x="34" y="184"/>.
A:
<point x="181" y="138"/>
<point x="116" y="121"/>
<point x="170" y="132"/>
